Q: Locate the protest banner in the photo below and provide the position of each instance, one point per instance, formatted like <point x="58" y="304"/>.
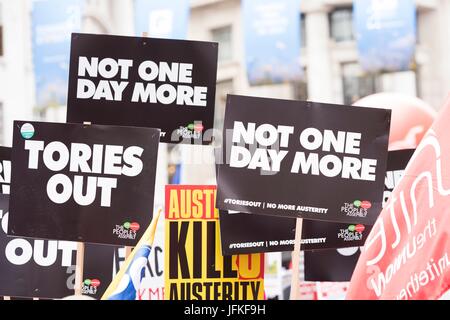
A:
<point x="195" y="266"/>
<point x="284" y="156"/>
<point x="157" y="83"/>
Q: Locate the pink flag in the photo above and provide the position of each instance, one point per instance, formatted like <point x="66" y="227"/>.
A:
<point x="407" y="254"/>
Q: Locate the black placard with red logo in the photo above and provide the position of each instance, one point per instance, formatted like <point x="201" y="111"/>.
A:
<point x="87" y="183"/>
<point x="303" y="159"/>
<point x="144" y="82"/>
<point x="272" y="234"/>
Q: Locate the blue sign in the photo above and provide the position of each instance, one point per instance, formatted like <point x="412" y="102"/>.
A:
<point x="272" y="40"/>
<point x="166" y="19"/>
<point x="53" y="21"/>
<point x="386" y="34"/>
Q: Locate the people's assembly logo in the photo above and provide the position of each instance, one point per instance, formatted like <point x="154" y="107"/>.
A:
<point x="352" y="233"/>
<point x="127" y="230"/>
<point x="90" y="286"/>
<point x="192" y="130"/>
<point x="356" y="208"/>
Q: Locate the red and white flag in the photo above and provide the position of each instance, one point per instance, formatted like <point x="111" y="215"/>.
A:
<point x="407" y="254"/>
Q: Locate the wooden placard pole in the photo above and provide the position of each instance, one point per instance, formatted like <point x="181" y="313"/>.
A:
<point x="79" y="268"/>
<point x="295" y="280"/>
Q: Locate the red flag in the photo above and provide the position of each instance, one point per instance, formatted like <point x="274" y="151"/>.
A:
<point x="407" y="254"/>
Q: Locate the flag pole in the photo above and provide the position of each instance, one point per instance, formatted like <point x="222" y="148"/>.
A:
<point x="79" y="268"/>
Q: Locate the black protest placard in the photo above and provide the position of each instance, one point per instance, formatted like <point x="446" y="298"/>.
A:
<point x="87" y="183"/>
<point x="303" y="159"/>
<point x="34" y="268"/>
<point x="249" y="233"/>
<point x="144" y="82"/>
<point x="331" y="264"/>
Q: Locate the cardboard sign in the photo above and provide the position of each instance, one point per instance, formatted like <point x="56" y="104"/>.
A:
<point x="34" y="268"/>
<point x="143" y="82"/>
<point x="195" y="266"/>
<point x="331" y="265"/>
<point x="303" y="159"/>
<point x="82" y="183"/>
<point x="250" y="233"/>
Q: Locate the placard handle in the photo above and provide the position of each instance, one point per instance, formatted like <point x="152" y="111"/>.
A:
<point x="295" y="280"/>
